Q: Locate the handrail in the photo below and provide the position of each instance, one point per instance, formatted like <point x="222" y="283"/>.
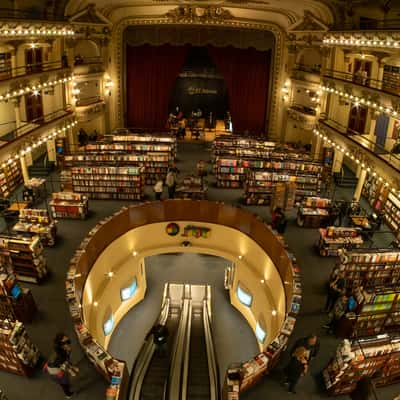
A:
<point x="34" y="14"/>
<point x="29" y="69"/>
<point x="145" y="355"/>
<point x="371" y="146"/>
<point x="314" y="69"/>
<point x="378" y="24"/>
<point x="35" y="123"/>
<point x="185" y="370"/>
<point x="173" y="390"/>
<point x="88" y="101"/>
<point x="213" y="369"/>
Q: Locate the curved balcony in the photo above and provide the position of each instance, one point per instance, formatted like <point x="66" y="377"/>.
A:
<point x="308" y="73"/>
<point x="360" y="81"/>
<point x="88" y="65"/>
<point x="34" y="126"/>
<point x="368" y="25"/>
<point x="364" y="143"/>
<point x="89" y="108"/>
<point x="305" y="116"/>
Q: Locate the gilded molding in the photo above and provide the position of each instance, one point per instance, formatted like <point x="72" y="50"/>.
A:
<point x="277" y="59"/>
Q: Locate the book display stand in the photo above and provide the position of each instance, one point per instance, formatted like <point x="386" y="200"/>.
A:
<point x="313" y="212"/>
<point x="69" y="205"/>
<point x="333" y="239"/>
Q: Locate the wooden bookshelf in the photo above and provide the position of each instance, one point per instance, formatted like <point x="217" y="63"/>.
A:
<point x="370" y="267"/>
<point x="26" y="257"/>
<point x="363" y="358"/>
<point x="392" y="212"/>
<point x="69" y="205"/>
<point x="18" y="354"/>
<point x="10" y="178"/>
<point x="122" y="183"/>
<point x="391" y="79"/>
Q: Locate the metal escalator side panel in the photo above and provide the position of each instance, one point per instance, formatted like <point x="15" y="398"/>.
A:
<point x="174" y="381"/>
<point x="144" y="357"/>
<point x="185" y="372"/>
<point x="211" y="355"/>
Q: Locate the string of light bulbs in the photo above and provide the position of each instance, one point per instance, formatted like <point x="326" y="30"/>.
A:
<point x="38" y="142"/>
<point x="35" y="88"/>
<point x="361" y="100"/>
<point x="35" y="30"/>
<point x="364" y="167"/>
<point x="361" y="42"/>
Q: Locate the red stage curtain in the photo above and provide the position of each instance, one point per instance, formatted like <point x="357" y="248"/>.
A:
<point x="246" y="74"/>
<point x="151" y="72"/>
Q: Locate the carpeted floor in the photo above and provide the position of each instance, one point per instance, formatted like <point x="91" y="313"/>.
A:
<point x="234" y="340"/>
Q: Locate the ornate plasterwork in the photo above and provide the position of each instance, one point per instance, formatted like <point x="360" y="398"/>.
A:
<point x="277" y="67"/>
<point x="199" y="14"/>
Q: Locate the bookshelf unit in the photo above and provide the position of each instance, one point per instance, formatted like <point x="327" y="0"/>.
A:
<point x="26" y="257"/>
<point x="370" y="267"/>
<point x="69" y="205"/>
<point x="379" y="312"/>
<point x="16" y="303"/>
<point x="191" y="187"/>
<point x="391" y="79"/>
<point x="392" y="212"/>
<point x="37" y="222"/>
<point x="18" y="354"/>
<point x="122" y="183"/>
<point x="363" y="358"/>
<point x="155" y="163"/>
<point x="333" y="239"/>
<point x="10" y="178"/>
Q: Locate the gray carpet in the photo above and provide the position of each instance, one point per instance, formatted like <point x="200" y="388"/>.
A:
<point x="234" y="340"/>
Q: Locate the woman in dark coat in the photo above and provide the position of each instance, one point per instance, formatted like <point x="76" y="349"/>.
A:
<point x="296" y="368"/>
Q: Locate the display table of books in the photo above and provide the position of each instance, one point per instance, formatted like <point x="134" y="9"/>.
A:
<point x="69" y="205"/>
<point x="34" y="190"/>
<point x="37" y="222"/>
<point x="332" y="239"/>
<point x="313" y="212"/>
<point x="192" y="187"/>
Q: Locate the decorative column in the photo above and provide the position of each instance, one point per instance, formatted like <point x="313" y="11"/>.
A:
<point x="24" y="169"/>
<point x="380" y="74"/>
<point x="17" y="102"/>
<point x="13" y="62"/>
<point x="316" y="143"/>
<point x="51" y="150"/>
<point x="360" y="184"/>
<point x="337" y="161"/>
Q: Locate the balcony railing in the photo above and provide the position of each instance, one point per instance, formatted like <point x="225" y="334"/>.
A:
<point x="369" y="25"/>
<point x="88" y="65"/>
<point x="313" y="69"/>
<point x="29" y="69"/>
<point x="87" y="101"/>
<point x="359" y="139"/>
<point x="34" y="124"/>
<point x="33" y="14"/>
<point x="358" y="80"/>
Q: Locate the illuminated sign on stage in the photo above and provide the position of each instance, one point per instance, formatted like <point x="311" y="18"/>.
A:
<point x="191" y="90"/>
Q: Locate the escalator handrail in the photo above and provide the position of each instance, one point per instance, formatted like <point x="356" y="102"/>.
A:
<point x="173" y="390"/>
<point x="213" y="369"/>
<point x="185" y="369"/>
<point x="144" y="357"/>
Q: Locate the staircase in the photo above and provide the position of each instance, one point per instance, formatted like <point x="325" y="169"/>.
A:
<point x="349" y="181"/>
<point x="40" y="169"/>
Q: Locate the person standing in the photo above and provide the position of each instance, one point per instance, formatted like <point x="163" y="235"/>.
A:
<point x="297" y="367"/>
<point x="59" y="366"/>
<point x="310" y="343"/>
<point x="170" y="181"/>
<point x="335" y="289"/>
<point x="158" y="188"/>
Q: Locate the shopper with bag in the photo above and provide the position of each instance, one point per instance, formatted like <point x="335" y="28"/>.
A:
<point x="297" y="367"/>
<point x="158" y="188"/>
<point x="59" y="366"/>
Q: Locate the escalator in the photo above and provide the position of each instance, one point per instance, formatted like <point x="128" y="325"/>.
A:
<point x="157" y="373"/>
<point x="198" y="382"/>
